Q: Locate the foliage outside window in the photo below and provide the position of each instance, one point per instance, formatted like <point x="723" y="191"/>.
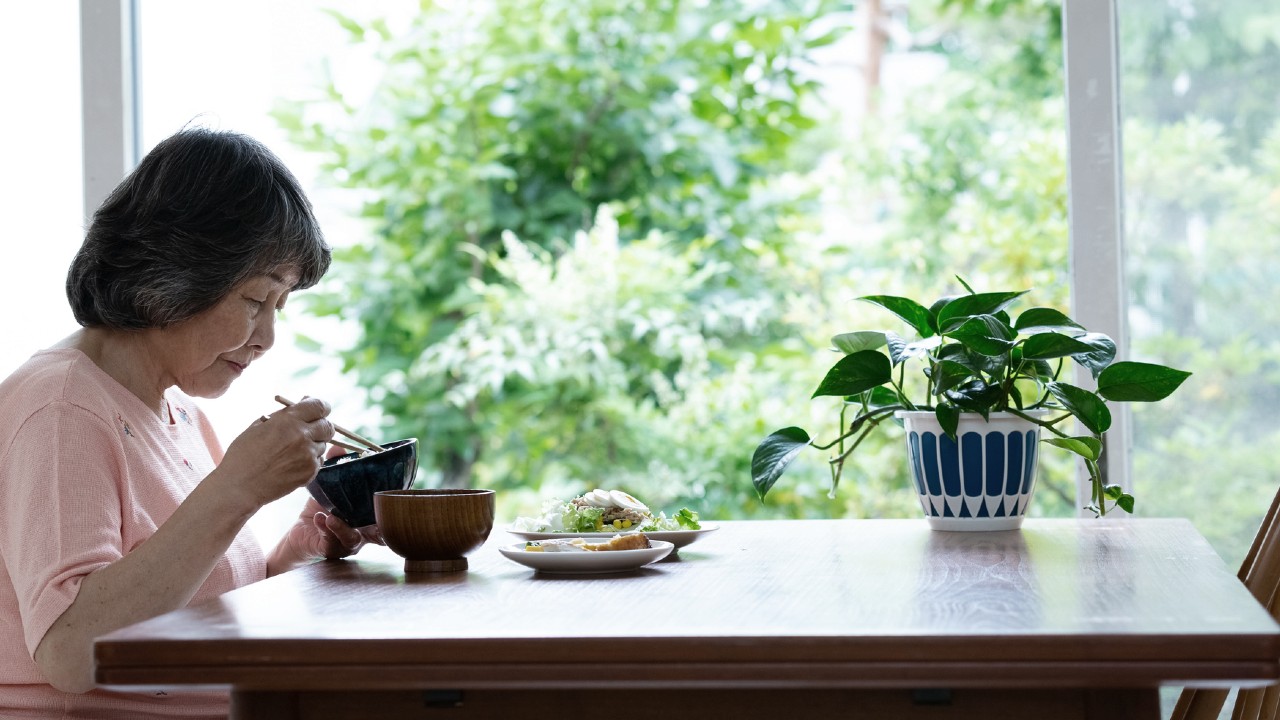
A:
<point x="743" y="210"/>
<point x="606" y="238"/>
<point x="1202" y="227"/>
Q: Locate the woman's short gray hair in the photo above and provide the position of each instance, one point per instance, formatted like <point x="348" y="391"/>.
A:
<point x="204" y="211"/>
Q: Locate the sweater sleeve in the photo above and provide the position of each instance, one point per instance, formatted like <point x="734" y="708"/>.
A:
<point x="62" y="483"/>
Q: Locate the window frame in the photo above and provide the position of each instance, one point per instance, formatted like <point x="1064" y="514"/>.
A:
<point x="1095" y="219"/>
<point x="109" y="94"/>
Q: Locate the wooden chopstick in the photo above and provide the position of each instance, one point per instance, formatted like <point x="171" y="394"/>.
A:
<point x="367" y="443"/>
<point x="345" y="446"/>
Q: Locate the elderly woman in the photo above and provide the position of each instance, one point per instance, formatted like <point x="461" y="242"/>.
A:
<point x="118" y="501"/>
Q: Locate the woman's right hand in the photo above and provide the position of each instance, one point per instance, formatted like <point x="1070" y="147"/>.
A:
<point x="278" y="454"/>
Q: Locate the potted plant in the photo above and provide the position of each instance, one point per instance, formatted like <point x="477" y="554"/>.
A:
<point x="989" y="385"/>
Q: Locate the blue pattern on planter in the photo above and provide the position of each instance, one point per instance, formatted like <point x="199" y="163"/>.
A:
<point x="929" y="444"/>
<point x="995" y="472"/>
<point x="1014" y="467"/>
<point x="1028" y="472"/>
<point x="986" y="476"/>
<point x="950" y="456"/>
<point x="971" y="443"/>
<point x="913" y="453"/>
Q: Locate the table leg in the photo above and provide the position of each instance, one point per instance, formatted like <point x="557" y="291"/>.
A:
<point x="263" y="705"/>
<point x="1122" y="704"/>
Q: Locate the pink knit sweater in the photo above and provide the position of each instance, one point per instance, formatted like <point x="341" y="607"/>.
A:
<point x="88" y="473"/>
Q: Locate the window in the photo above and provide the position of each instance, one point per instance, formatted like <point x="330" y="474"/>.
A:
<point x="1169" y="52"/>
<point x="42" y="179"/>
<point x="1202" y="251"/>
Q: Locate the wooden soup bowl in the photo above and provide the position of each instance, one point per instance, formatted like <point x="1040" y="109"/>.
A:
<point x="434" y="529"/>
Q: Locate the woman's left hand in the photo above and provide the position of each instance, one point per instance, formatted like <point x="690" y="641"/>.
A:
<point x="318" y="535"/>
<point x="336" y="539"/>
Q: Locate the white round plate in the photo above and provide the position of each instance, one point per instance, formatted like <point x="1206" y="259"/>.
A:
<point x="589" y="562"/>
<point x="679" y="538"/>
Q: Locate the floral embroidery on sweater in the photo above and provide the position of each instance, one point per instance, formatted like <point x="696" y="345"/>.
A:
<point x="124" y="425"/>
<point x="182" y="413"/>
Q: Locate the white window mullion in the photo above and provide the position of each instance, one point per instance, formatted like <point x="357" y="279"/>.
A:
<point x="1095" y="208"/>
<point x="108" y="71"/>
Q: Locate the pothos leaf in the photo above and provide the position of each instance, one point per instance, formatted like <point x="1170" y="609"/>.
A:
<point x="1042" y="319"/>
<point x="984" y="334"/>
<point x="1086" y="406"/>
<point x="773" y="455"/>
<point x="954" y="313"/>
<point x="856" y="373"/>
<point x="1123" y="500"/>
<point x="878" y="396"/>
<point x="915" y="314"/>
<point x="852" y="342"/>
<point x="1097" y="359"/>
<point x="1049" y="345"/>
<point x="1139" y="382"/>
<point x="1087" y="447"/>
<point x="949" y="418"/>
<point x="948" y="374"/>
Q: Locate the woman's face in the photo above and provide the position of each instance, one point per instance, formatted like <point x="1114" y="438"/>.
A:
<point x="205" y="354"/>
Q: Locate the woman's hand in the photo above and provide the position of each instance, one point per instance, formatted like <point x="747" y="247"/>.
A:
<point x="318" y="535"/>
<point x="278" y="454"/>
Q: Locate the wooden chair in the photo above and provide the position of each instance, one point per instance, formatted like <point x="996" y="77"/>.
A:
<point x="1260" y="573"/>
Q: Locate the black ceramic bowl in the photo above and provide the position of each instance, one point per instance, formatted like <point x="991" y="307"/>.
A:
<point x="345" y="485"/>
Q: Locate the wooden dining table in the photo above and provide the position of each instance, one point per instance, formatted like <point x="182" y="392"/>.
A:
<point x="1064" y="618"/>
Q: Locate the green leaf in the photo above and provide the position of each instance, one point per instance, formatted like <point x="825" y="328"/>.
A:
<point x="308" y="343"/>
<point x="920" y="348"/>
<point x="948" y="374"/>
<point x="853" y="342"/>
<point x="938" y="305"/>
<point x="912" y="312"/>
<point x="897" y="347"/>
<point x="878" y="397"/>
<point x="984" y="334"/>
<point x="1038" y="370"/>
<point x="1049" y="345"/>
<point x="1086" y="446"/>
<point x="900" y="350"/>
<point x="1086" y="406"/>
<point x="1102" y="354"/>
<point x="949" y="418"/>
<point x="955" y="352"/>
<point x="1139" y="382"/>
<point x="976" y="396"/>
<point x="1123" y="500"/>
<point x="855" y="374"/>
<point x="773" y="455"/>
<point x="953" y="313"/>
<point x="1041" y="319"/>
<point x="351" y="26"/>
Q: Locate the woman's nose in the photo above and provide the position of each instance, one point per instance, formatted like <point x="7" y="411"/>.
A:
<point x="264" y="333"/>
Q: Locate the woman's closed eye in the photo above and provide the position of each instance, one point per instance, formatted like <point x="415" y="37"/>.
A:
<point x="257" y="306"/>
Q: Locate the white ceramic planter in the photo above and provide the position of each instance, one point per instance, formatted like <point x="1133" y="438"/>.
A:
<point x="985" y="481"/>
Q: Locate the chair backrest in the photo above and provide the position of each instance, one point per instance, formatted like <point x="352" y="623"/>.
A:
<point x="1260" y="573"/>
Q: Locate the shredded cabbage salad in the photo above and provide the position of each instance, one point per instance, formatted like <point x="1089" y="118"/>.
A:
<point x="566" y="517"/>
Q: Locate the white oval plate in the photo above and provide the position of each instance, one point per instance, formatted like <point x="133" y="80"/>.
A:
<point x="679" y="538"/>
<point x="589" y="562"/>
